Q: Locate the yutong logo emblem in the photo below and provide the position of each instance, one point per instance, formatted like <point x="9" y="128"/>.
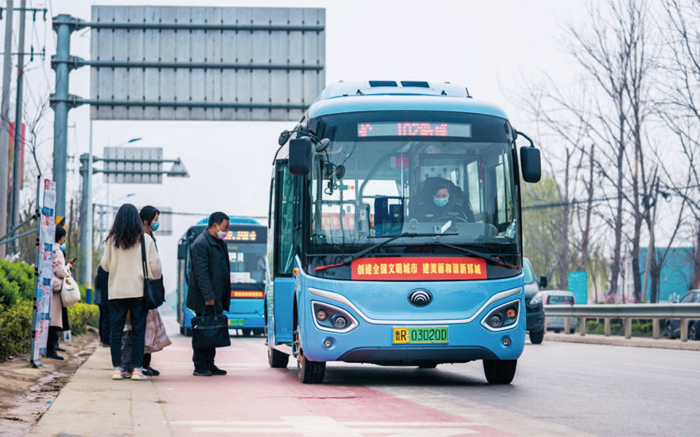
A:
<point x="420" y="298"/>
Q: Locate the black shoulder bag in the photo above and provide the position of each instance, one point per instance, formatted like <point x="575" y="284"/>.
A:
<point x="153" y="289"/>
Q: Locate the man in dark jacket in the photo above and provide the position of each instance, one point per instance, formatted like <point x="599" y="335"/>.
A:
<point x="209" y="284"/>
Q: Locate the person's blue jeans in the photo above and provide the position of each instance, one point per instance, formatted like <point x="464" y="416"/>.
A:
<point x="118" y="308"/>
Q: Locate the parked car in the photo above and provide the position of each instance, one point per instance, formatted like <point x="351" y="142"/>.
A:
<point x="559" y="297"/>
<point x="673" y="326"/>
<point x="534" y="309"/>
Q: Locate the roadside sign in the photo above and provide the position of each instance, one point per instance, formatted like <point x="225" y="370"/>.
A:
<point x="119" y="167"/>
<point x="578" y="285"/>
<point x="43" y="289"/>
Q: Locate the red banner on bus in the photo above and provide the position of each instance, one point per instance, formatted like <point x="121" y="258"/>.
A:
<point x="418" y="268"/>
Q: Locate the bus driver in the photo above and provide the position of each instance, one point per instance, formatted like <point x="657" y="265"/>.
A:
<point x="441" y="200"/>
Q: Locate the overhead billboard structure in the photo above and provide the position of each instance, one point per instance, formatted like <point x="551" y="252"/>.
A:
<point x="205" y="63"/>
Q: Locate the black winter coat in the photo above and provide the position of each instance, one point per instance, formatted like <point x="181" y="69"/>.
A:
<point x="210" y="274"/>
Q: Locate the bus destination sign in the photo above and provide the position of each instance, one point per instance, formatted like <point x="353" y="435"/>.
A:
<point x="414" y="129"/>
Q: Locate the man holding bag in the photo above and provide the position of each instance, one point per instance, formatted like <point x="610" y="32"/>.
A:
<point x="209" y="286"/>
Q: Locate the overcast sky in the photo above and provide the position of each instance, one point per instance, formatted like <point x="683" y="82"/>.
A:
<point x="485" y="46"/>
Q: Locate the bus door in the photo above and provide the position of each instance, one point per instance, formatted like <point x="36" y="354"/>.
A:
<point x="286" y="242"/>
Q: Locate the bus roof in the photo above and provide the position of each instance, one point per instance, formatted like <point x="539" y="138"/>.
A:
<point x="345" y="97"/>
<point x="233" y="220"/>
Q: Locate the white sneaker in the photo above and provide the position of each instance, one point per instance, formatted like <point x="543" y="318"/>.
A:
<point x="117" y="374"/>
<point x="137" y="375"/>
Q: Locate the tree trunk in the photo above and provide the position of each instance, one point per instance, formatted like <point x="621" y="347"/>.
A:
<point x="617" y="250"/>
<point x="585" y="237"/>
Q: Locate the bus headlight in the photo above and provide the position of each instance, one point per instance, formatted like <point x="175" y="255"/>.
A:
<point x="339" y="321"/>
<point x="502" y="317"/>
<point x="331" y="318"/>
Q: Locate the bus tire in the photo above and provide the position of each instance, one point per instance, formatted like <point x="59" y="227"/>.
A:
<point x="500" y="371"/>
<point x="536" y="337"/>
<point x="309" y="372"/>
<point x="277" y="359"/>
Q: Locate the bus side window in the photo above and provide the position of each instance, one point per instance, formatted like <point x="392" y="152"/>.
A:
<point x="284" y="229"/>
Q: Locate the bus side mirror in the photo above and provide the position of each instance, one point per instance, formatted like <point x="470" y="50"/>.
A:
<point x="543" y="282"/>
<point x="530" y="164"/>
<point x="300" y="156"/>
<point x="181" y="251"/>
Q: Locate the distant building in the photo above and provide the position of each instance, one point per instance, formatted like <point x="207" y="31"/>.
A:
<point x="676" y="274"/>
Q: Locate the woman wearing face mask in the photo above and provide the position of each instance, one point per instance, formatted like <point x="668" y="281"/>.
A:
<point x="59" y="314"/>
<point x="156" y="337"/>
<point x="122" y="259"/>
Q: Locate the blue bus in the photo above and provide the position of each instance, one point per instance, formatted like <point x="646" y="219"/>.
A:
<point x="394" y="232"/>
<point x="247" y="244"/>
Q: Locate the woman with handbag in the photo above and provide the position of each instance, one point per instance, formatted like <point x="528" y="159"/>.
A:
<point x="126" y="247"/>
<point x="59" y="314"/>
<point x="156" y="337"/>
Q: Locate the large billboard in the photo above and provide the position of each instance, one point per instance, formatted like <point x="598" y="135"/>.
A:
<point x="133" y="165"/>
<point x="205" y="63"/>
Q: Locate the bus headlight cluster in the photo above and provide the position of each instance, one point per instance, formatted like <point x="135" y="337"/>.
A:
<point x="329" y="317"/>
<point x="502" y="317"/>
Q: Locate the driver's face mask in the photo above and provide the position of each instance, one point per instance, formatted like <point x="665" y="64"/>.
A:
<point x="441" y="202"/>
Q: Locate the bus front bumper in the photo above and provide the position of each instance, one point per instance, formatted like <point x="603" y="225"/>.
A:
<point x="369" y="343"/>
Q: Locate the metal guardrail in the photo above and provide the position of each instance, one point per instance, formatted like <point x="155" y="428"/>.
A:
<point x="627" y="312"/>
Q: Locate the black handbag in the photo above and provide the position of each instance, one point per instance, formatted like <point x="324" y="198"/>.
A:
<point x="210" y="331"/>
<point x="153" y="289"/>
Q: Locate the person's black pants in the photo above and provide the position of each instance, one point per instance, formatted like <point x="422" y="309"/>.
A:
<point x="52" y="340"/>
<point x="146" y="361"/>
<point x="203" y="358"/>
<point x="104" y="323"/>
<point x="118" y="308"/>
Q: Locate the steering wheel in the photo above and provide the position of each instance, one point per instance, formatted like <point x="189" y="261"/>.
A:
<point x="447" y="219"/>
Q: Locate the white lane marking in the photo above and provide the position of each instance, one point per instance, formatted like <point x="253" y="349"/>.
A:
<point x="320" y="425"/>
<point x="663" y="367"/>
<point x="437" y="431"/>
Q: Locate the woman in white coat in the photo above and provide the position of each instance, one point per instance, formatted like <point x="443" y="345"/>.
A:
<point x="122" y="260"/>
<point x="59" y="314"/>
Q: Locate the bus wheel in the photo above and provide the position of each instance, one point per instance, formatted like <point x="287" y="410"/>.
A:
<point x="536" y="337"/>
<point x="277" y="359"/>
<point x="500" y="371"/>
<point x="310" y="372"/>
<point x="247" y="332"/>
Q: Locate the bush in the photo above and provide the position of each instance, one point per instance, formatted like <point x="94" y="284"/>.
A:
<point x="15" y="329"/>
<point x="82" y="315"/>
<point x="16" y="282"/>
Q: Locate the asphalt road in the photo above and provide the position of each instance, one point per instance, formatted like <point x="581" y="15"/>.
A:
<point x="559" y="389"/>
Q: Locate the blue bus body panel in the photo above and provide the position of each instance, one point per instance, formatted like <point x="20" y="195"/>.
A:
<point x="281" y="307"/>
<point x="378" y="307"/>
<point x="402" y="103"/>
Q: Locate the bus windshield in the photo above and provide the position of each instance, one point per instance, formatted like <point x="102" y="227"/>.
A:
<point x="247" y="264"/>
<point x="385" y="174"/>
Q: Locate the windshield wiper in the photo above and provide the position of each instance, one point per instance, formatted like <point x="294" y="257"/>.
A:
<point x="492" y="259"/>
<point x="391" y="238"/>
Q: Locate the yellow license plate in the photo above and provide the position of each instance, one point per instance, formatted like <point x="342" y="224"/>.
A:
<point x="420" y="335"/>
